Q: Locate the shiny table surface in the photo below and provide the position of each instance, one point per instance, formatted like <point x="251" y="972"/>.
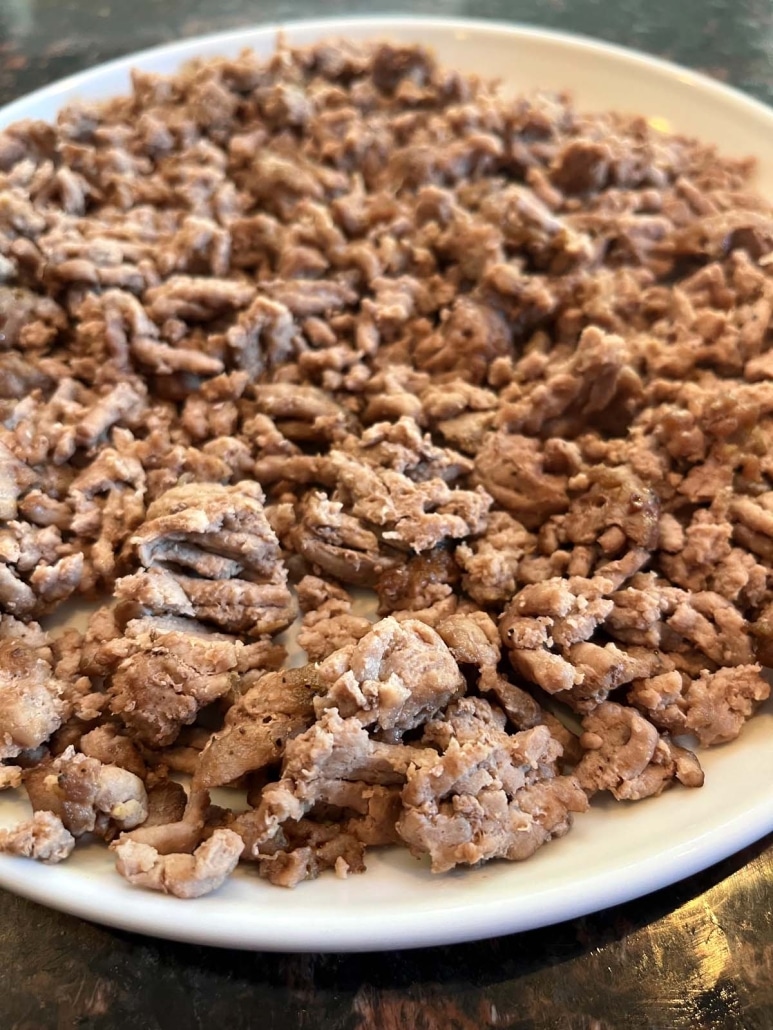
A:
<point x="696" y="956"/>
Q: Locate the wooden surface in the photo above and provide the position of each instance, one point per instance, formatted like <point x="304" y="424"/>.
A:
<point x="697" y="956"/>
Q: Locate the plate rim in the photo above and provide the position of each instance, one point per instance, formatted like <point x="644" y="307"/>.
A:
<point x="468" y="920"/>
<point x="602" y="891"/>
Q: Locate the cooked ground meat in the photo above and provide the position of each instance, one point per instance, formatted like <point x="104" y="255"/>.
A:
<point x="277" y="707"/>
<point x="168" y="829"/>
<point x="162" y="675"/>
<point x="157" y="673"/>
<point x="512" y="468"/>
<point x="88" y="797"/>
<point x="713" y="705"/>
<point x="424" y="580"/>
<point x="487" y="794"/>
<point x="625" y="755"/>
<point x="336" y="543"/>
<point x="10" y="777"/>
<point x="31" y="702"/>
<point x="38" y="570"/>
<point x="43" y="837"/>
<point x="214" y="556"/>
<point x="307" y="848"/>
<point x="109" y="746"/>
<point x="108" y="502"/>
<point x="491" y="561"/>
<point x="472" y="638"/>
<point x="185" y="876"/>
<point x="524" y="712"/>
<point x="408" y="514"/>
<point x="342" y="318"/>
<point x="548" y="629"/>
<point x="395" y="677"/>
<point x="332" y="752"/>
<point x="330" y="624"/>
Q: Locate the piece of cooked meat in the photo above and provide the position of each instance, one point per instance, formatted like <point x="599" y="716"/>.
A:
<point x="108" y="502"/>
<point x="172" y="830"/>
<point x="277" y="707"/>
<point x="313" y="592"/>
<point x="184" y="876"/>
<point x="86" y="795"/>
<point x="512" y="469"/>
<point x="31" y="704"/>
<point x="487" y="794"/>
<point x="215" y="557"/>
<point x="10" y="777"/>
<point x="409" y="514"/>
<point x="234" y="605"/>
<point x="38" y="569"/>
<point x="336" y="543"/>
<point x="714" y="705"/>
<point x="525" y="712"/>
<point x="395" y="677"/>
<point x="167" y="802"/>
<point x="43" y="837"/>
<point x="625" y="755"/>
<point x="472" y="638"/>
<point x="595" y="382"/>
<point x="302" y="850"/>
<point x="316" y="763"/>
<point x="111" y="747"/>
<point x="548" y="629"/>
<point x="419" y="583"/>
<point x="214" y="531"/>
<point x="161" y="672"/>
<point x="328" y="622"/>
<point x="490" y="562"/>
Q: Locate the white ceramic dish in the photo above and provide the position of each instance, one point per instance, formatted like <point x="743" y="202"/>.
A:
<point x="616" y="852"/>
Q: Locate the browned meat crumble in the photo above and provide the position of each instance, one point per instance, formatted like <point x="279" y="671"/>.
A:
<point x="272" y="332"/>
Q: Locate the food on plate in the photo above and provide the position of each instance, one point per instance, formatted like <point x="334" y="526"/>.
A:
<point x="274" y="333"/>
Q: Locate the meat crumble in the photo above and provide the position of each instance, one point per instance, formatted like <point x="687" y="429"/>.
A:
<point x="274" y="333"/>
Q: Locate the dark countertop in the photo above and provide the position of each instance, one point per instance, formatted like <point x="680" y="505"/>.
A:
<point x="697" y="956"/>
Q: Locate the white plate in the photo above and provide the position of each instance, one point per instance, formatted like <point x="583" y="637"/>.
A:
<point x="615" y="852"/>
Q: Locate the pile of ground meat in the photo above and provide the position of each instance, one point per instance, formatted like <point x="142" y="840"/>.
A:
<point x="273" y="330"/>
